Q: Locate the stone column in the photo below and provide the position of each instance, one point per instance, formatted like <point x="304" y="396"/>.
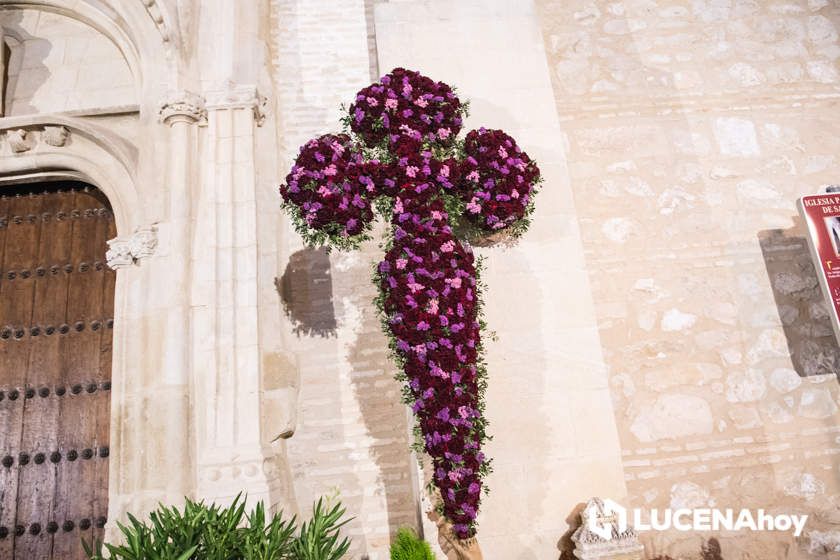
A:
<point x="226" y="354"/>
<point x="181" y="112"/>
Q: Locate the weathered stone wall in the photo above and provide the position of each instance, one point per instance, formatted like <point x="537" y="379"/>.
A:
<point x="554" y="440"/>
<point x="352" y="434"/>
<point x="693" y="127"/>
<point x="57" y="63"/>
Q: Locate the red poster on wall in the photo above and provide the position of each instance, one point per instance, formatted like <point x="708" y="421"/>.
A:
<point x="822" y="216"/>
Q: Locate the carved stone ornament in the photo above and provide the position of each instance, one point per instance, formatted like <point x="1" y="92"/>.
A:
<point x="55" y="135"/>
<point x="119" y="253"/>
<point x="126" y="250"/>
<point x="183" y="105"/>
<point x="19" y="140"/>
<point x="143" y="243"/>
<point x="156" y="13"/>
<point x="605" y="533"/>
<point x="233" y="96"/>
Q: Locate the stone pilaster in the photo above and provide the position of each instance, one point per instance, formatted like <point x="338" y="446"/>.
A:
<point x="226" y="353"/>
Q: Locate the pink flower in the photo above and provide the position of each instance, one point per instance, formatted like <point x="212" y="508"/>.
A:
<point x="433" y="306"/>
<point x="473" y="176"/>
<point x="372" y="101"/>
<point x="415" y="287"/>
<point x="454" y="282"/>
<point x="401" y="263"/>
<point x="448" y="246"/>
<point x="391" y="103"/>
<point x="330" y="170"/>
<point x="411" y="171"/>
<point x="444" y="133"/>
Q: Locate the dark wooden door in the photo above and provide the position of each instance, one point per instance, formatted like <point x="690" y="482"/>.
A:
<point x="56" y="321"/>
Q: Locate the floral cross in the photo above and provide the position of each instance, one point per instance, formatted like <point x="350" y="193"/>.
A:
<point x="400" y="156"/>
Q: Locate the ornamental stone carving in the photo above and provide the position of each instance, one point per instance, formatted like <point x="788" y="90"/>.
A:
<point x="143" y="243"/>
<point x="127" y="250"/>
<point x="55" y="135"/>
<point x="119" y="253"/>
<point x="233" y="96"/>
<point x="19" y="140"/>
<point x="183" y="106"/>
<point x="623" y="542"/>
<point x="156" y="13"/>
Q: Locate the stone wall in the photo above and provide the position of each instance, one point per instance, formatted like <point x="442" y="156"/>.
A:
<point x="57" y="63"/>
<point x="554" y="440"/>
<point x="352" y="434"/>
<point x="693" y="127"/>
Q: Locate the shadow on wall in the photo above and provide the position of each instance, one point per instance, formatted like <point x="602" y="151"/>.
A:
<point x="306" y="292"/>
<point x="378" y="395"/>
<point x="565" y="544"/>
<point x="802" y="308"/>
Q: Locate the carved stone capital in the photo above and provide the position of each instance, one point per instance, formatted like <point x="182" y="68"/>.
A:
<point x="233" y="96"/>
<point x="119" y="253"/>
<point x="127" y="250"/>
<point x="20" y="140"/>
<point x="55" y="135"/>
<point x="183" y="106"/>
<point x="144" y="242"/>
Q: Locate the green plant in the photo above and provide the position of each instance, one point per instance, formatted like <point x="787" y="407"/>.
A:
<point x="409" y="546"/>
<point x="318" y="538"/>
<point x="213" y="532"/>
<point x="270" y="541"/>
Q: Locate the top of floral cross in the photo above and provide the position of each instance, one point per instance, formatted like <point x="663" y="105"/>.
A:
<point x="404" y="130"/>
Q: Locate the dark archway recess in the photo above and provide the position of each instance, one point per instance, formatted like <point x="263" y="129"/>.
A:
<point x="56" y="325"/>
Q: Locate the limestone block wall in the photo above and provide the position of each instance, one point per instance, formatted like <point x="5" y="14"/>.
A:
<point x="351" y="432"/>
<point x="554" y="439"/>
<point x="693" y="127"/>
<point x="57" y="63"/>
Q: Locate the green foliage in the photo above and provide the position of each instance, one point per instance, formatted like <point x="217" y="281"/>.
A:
<point x="409" y="546"/>
<point x="329" y="236"/>
<point x="212" y="532"/>
<point x="318" y="538"/>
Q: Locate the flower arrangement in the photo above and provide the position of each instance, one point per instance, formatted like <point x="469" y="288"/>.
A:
<point x="400" y="155"/>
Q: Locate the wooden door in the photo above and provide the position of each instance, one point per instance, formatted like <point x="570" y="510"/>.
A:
<point x="56" y="321"/>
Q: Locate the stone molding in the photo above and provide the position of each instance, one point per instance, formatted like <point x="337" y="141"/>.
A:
<point x="156" y="13"/>
<point x="183" y="106"/>
<point x="233" y="96"/>
<point x="126" y="250"/>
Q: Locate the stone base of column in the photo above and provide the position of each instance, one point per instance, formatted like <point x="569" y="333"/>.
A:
<point x="257" y="474"/>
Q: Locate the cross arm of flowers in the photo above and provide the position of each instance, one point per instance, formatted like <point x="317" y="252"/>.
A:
<point x="400" y="156"/>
